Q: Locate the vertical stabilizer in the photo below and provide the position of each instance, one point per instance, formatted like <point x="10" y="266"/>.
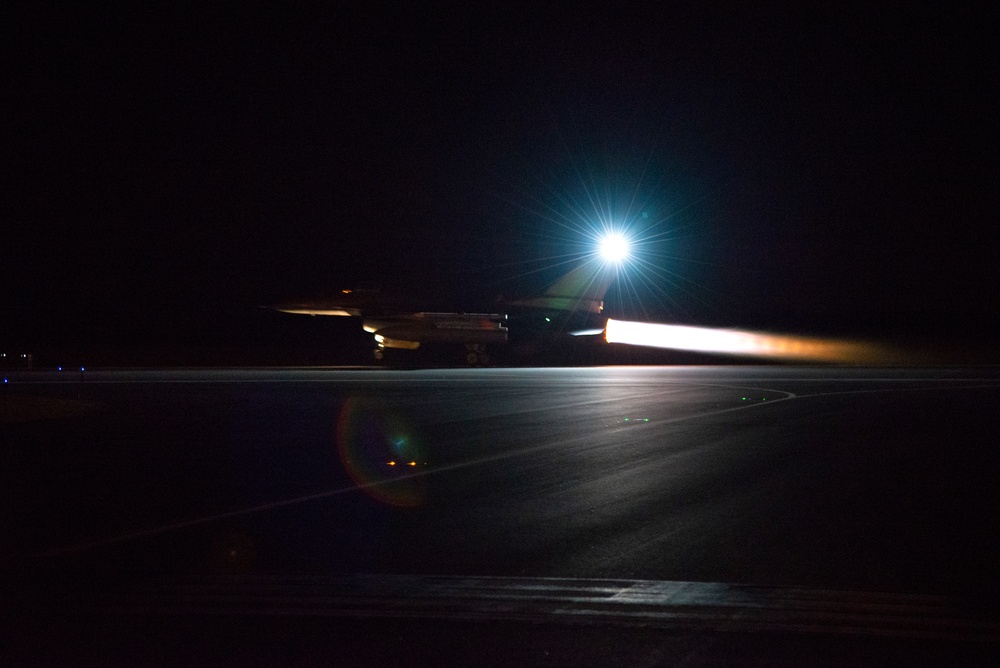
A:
<point x="582" y="289"/>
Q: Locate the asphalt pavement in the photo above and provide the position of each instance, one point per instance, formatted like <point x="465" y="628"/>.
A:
<point x="872" y="480"/>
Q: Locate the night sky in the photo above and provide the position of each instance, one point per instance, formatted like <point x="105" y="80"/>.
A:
<point x="164" y="171"/>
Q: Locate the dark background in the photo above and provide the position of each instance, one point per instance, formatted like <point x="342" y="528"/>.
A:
<point x="166" y="170"/>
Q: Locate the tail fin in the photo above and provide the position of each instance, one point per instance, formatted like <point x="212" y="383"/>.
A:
<point x="582" y="289"/>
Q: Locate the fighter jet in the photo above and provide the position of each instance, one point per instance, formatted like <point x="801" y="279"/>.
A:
<point x="572" y="306"/>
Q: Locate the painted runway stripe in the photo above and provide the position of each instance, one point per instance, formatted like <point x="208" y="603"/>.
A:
<point x="667" y="604"/>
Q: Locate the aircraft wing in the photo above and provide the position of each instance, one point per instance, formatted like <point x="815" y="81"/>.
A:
<point x="409" y="332"/>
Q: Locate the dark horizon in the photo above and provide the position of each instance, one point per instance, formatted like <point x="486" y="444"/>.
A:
<point x="167" y="172"/>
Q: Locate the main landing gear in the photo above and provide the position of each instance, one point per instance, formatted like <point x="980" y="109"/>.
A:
<point x="476" y="355"/>
<point x="471" y="355"/>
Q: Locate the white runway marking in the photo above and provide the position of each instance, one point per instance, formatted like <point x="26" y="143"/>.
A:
<point x="667" y="604"/>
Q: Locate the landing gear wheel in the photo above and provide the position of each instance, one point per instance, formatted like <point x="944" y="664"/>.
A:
<point x="476" y="355"/>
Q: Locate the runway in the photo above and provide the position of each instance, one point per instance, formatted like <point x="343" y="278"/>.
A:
<point x="877" y="480"/>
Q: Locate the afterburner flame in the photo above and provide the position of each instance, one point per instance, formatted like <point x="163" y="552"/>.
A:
<point x="736" y="342"/>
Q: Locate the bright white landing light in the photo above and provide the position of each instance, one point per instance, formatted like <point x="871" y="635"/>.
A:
<point x="614" y="248"/>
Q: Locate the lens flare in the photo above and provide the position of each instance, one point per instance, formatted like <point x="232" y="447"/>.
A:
<point x="736" y="342"/>
<point x="372" y="441"/>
